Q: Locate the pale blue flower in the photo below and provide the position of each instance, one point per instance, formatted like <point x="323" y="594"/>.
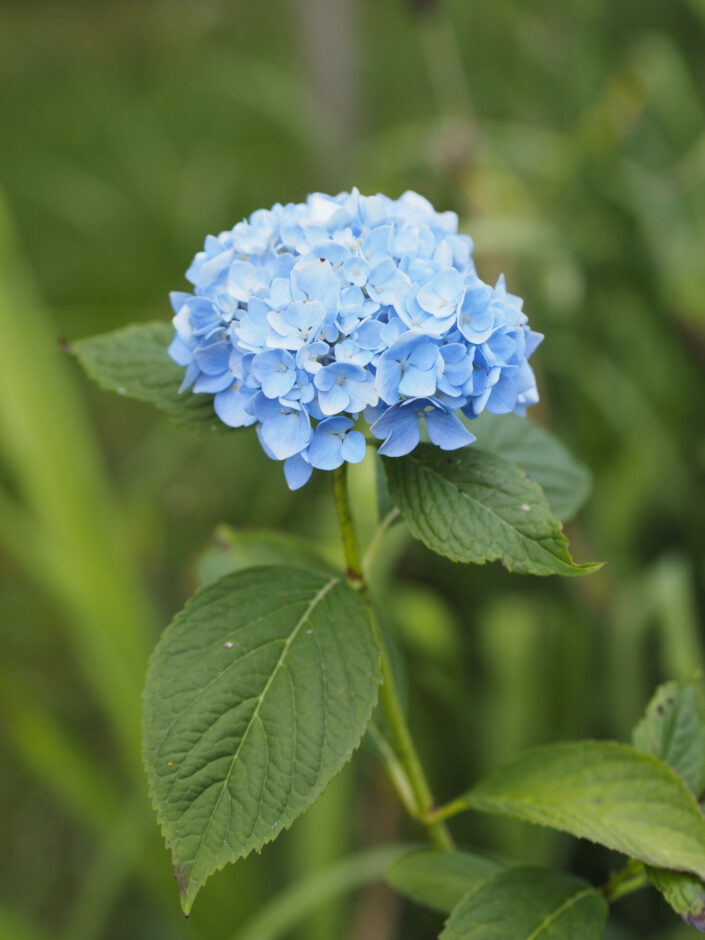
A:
<point x="275" y="370"/>
<point x="344" y="386"/>
<point x="334" y="442"/>
<point x="305" y="316"/>
<point x="409" y="368"/>
<point x="399" y="427"/>
<point x="284" y="429"/>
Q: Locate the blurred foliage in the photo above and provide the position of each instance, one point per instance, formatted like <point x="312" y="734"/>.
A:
<point x="570" y="137"/>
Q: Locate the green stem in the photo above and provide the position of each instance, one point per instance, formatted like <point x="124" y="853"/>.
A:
<point x="631" y="878"/>
<point x="447" y="811"/>
<point x="377" y="538"/>
<point x="401" y="736"/>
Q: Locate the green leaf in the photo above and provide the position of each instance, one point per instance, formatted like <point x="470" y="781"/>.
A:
<point x="133" y="361"/>
<point x="528" y="904"/>
<point x="673" y="729"/>
<point x="565" y="481"/>
<point x="603" y="791"/>
<point x="257" y="694"/>
<point x="473" y="506"/>
<point x="234" y="549"/>
<point x="440" y="879"/>
<point x="684" y="892"/>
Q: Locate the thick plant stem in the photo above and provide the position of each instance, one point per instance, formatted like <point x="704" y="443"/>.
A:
<point x="401" y="736"/>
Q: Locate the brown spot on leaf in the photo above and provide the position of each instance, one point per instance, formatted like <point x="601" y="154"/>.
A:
<point x="181" y="873"/>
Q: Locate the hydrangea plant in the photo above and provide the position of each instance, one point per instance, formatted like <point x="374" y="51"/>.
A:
<point x="335" y="327"/>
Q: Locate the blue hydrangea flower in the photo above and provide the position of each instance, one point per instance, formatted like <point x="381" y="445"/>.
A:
<point x="307" y="317"/>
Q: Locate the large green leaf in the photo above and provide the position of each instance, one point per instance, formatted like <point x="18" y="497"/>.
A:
<point x="565" y="481"/>
<point x="233" y="549"/>
<point x="440" y="879"/>
<point x="257" y="694"/>
<point x="673" y="729"/>
<point x="473" y="506"/>
<point x="603" y="791"/>
<point x="528" y="904"/>
<point x="133" y="361"/>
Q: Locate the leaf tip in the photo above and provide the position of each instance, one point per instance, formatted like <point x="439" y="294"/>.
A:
<point x="186" y="892"/>
<point x="696" y="920"/>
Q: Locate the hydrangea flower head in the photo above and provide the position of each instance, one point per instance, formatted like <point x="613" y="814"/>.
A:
<point x="307" y="316"/>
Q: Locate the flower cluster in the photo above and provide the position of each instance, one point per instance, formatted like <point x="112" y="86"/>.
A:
<point x="303" y="317"/>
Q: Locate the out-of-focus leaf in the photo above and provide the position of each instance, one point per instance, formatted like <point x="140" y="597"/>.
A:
<point x="683" y="891"/>
<point x="133" y="361"/>
<point x="673" y="729"/>
<point x="529" y="904"/>
<point x="440" y="879"/>
<point x="602" y="791"/>
<point x="565" y="481"/>
<point x="234" y="549"/>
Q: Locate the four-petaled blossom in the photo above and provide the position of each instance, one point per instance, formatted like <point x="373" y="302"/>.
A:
<point x="305" y="317"/>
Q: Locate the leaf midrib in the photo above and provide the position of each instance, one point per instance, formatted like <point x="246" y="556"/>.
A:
<point x="260" y="699"/>
<point x="566" y="905"/>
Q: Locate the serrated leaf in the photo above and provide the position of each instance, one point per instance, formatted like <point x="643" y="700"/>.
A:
<point x="528" y="904"/>
<point x="134" y="362"/>
<point x="257" y="694"/>
<point x="565" y="481"/>
<point x="602" y="791"/>
<point x="673" y="729"/>
<point x="684" y="892"/>
<point x="472" y="506"/>
<point x="234" y="549"/>
<point x="440" y="879"/>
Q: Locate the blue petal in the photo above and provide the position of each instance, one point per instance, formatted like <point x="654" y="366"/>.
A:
<point x="356" y="270"/>
<point x="213" y="383"/>
<point x="287" y="433"/>
<point x="532" y="341"/>
<point x="334" y="400"/>
<point x="416" y="383"/>
<point x="297" y="472"/>
<point x="354" y="447"/>
<point x="213" y="359"/>
<point x="387" y="379"/>
<point x="324" y="451"/>
<point x="179" y="351"/>
<point x="233" y="407"/>
<point x="503" y="395"/>
<point x="447" y="431"/>
<point x="399" y="426"/>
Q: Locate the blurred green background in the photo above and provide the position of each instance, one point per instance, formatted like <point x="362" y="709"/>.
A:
<point x="570" y="137"/>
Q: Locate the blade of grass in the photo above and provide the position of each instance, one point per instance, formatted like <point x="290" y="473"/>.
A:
<point x="50" y="454"/>
<point x="292" y="906"/>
